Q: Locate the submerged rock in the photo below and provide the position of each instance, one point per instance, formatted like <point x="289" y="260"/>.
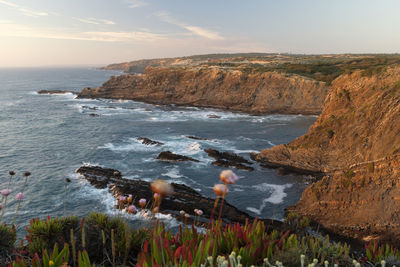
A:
<point x="195" y="137"/>
<point x="183" y="198"/>
<point x="227" y="164"/>
<point x="147" y="141"/>
<point x="169" y="156"/>
<point x="52" y="92"/>
<point x="227" y="159"/>
<point x="213" y="116"/>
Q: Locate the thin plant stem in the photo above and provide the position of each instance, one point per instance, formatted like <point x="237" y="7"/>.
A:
<point x="113" y="246"/>
<point x="16" y="211"/>
<point x="4" y="208"/>
<point x="222" y="202"/>
<point x="220" y="208"/>
<point x="213" y="210"/>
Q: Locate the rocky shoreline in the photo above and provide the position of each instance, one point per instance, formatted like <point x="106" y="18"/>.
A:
<point x="184" y="198"/>
<point x="253" y="93"/>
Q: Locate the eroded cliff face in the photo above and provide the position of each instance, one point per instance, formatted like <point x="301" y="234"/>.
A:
<point x="356" y="142"/>
<point x="256" y="93"/>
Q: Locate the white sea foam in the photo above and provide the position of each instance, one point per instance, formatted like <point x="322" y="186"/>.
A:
<point x="194" y="146"/>
<point x="173" y="173"/>
<point x="131" y="145"/>
<point x="270" y="143"/>
<point x="277" y="195"/>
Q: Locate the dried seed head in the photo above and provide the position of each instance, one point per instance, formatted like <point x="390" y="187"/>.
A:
<point x="26" y="174"/>
<point x="228" y="177"/>
<point x="162" y="187"/>
<point x="67" y="180"/>
<point x="11" y="173"/>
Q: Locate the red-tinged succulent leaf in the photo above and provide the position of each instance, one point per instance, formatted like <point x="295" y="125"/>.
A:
<point x="146" y="246"/>
<point x="190" y="258"/>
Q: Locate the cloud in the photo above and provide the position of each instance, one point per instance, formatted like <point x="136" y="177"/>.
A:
<point x="95" y="21"/>
<point x="24" y="10"/>
<point x="19" y="30"/>
<point x="195" y="30"/>
<point x="5" y="21"/>
<point x="136" y="3"/>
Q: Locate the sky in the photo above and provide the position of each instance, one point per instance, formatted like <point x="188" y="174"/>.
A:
<point x="99" y="32"/>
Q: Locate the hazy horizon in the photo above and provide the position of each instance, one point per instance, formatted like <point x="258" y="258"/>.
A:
<point x="100" y="32"/>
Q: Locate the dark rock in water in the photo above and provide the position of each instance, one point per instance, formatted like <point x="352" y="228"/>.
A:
<point x="183" y="198"/>
<point x="147" y="141"/>
<point x="227" y="159"/>
<point x="226" y="155"/>
<point x="213" y="116"/>
<point x="51" y="92"/>
<point x="195" y="137"/>
<point x="169" y="156"/>
<point x="227" y="164"/>
<point x="94" y="115"/>
<point x="98" y="176"/>
<point x="91" y="108"/>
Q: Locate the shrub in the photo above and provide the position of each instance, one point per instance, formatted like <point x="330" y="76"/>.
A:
<point x="7" y="240"/>
<point x="45" y="234"/>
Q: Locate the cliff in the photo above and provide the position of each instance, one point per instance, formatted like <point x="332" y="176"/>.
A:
<point x="255" y="93"/>
<point x="356" y="142"/>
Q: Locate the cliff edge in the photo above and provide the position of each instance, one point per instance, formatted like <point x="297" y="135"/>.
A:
<point x="255" y="93"/>
<point x="356" y="143"/>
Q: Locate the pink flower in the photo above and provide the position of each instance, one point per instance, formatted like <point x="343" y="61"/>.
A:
<point x="220" y="189"/>
<point x="122" y="198"/>
<point x="142" y="202"/>
<point x="6" y="192"/>
<point x="228" y="177"/>
<point x="19" y="196"/>
<point x="198" y="212"/>
<point x="132" y="209"/>
<point x="1" y="206"/>
<point x="156" y="196"/>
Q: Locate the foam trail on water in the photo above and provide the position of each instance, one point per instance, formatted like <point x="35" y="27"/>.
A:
<point x="276" y="197"/>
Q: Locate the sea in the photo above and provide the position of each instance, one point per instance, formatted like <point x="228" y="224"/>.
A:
<point x="53" y="135"/>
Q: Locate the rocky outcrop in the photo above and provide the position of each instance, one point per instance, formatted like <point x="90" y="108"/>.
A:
<point x="147" y="141"/>
<point x="355" y="142"/>
<point x="171" y="157"/>
<point x="227" y="159"/>
<point x="183" y="198"/>
<point x="196" y="137"/>
<point x="52" y="92"/>
<point x="255" y="93"/>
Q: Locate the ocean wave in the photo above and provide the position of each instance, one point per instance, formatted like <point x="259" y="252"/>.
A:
<point x="277" y="195"/>
<point x="131" y="145"/>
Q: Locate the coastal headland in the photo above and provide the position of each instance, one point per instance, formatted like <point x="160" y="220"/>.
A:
<point x="353" y="147"/>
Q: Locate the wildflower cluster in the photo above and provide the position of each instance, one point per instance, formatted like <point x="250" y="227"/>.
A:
<point x="7" y="192"/>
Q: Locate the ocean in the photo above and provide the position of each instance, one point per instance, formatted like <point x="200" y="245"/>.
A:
<point x="53" y="135"/>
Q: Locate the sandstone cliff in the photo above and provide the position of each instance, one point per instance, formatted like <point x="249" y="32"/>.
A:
<point x="356" y="142"/>
<point x="256" y="93"/>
